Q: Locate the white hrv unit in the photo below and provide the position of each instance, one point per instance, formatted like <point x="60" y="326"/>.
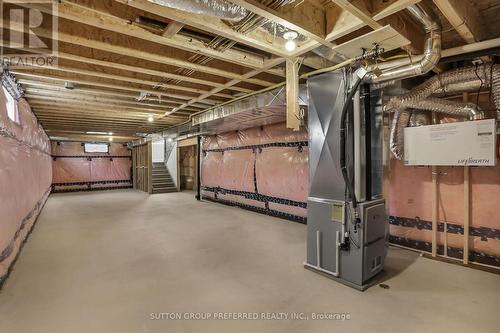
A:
<point x="470" y="143"/>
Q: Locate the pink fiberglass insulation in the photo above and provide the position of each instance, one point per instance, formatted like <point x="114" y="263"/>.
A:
<point x="25" y="178"/>
<point x="75" y="169"/>
<point x="262" y="168"/>
<point x="410" y="199"/>
<point x="278" y="167"/>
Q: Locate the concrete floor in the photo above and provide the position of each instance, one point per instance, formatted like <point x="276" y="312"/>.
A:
<point x="104" y="261"/>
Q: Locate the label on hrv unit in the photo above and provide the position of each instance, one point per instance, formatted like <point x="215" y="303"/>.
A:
<point x="470" y="143"/>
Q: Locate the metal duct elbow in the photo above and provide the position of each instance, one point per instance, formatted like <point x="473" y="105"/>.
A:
<point x="432" y="50"/>
<point x="218" y="8"/>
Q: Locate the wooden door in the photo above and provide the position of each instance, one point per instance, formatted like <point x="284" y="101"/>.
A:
<point x="142" y="167"/>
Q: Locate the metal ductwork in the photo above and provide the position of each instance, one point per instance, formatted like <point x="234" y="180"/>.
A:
<point x="218" y="8"/>
<point x="432" y="53"/>
<point x="404" y="117"/>
<point x="455" y="81"/>
<point x="467" y="110"/>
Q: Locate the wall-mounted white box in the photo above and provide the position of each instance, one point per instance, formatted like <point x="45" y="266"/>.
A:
<point x="470" y="143"/>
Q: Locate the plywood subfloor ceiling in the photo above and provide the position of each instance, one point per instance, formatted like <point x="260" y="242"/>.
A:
<point x="132" y="60"/>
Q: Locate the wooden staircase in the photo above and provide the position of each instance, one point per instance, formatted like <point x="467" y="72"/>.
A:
<point x="161" y="179"/>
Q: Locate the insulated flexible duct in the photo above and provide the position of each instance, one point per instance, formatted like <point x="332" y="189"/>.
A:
<point x="402" y="118"/>
<point x="218" y="8"/>
<point x="452" y="108"/>
<point x="399" y="122"/>
<point x="453" y="81"/>
<point x="419" y="118"/>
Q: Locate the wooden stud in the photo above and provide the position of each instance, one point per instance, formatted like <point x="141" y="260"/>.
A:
<point x="292" y="94"/>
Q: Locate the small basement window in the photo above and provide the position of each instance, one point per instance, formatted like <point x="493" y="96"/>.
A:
<point x="11" y="105"/>
<point x="96" y="148"/>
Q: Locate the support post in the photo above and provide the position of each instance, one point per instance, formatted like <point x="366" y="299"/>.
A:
<point x="466" y="204"/>
<point x="435" y="203"/>
<point x="292" y="94"/>
<point x="198" y="168"/>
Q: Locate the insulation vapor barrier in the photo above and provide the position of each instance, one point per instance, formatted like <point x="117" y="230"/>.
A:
<point x="262" y="168"/>
<point x="76" y="170"/>
<point x="25" y="178"/>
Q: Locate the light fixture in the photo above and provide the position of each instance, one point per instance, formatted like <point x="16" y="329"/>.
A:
<point x="98" y="133"/>
<point x="151" y="119"/>
<point x="69" y="85"/>
<point x="290" y="37"/>
<point x="170" y="140"/>
<point x="110" y="139"/>
<point x="110" y="133"/>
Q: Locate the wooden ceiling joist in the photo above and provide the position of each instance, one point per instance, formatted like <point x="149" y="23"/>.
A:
<point x="256" y="39"/>
<point x="55" y="90"/>
<point x="107" y="21"/>
<point x="463" y="16"/>
<point x="48" y="81"/>
<point x="74" y="70"/>
<point x="123" y="50"/>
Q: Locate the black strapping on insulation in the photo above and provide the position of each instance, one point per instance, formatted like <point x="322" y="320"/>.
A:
<point x="92" y="156"/>
<point x="270" y="212"/>
<point x="127" y="183"/>
<point x="8" y="250"/>
<point x="474" y="257"/>
<point x="89" y="189"/>
<point x="298" y="144"/>
<point x="256" y="196"/>
<point x="484" y="233"/>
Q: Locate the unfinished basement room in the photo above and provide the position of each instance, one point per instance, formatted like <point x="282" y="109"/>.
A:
<point x="250" y="166"/>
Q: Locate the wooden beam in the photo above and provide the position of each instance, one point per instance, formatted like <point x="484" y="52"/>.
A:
<point x="463" y="16"/>
<point x="172" y="29"/>
<point x="341" y="22"/>
<point x="358" y="13"/>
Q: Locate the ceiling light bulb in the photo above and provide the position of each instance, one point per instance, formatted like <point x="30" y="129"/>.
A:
<point x="110" y="133"/>
<point x="110" y="139"/>
<point x="290" y="45"/>
<point x="151" y="119"/>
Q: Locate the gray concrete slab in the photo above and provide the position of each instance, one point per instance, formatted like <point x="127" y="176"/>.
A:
<point x="105" y="261"/>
